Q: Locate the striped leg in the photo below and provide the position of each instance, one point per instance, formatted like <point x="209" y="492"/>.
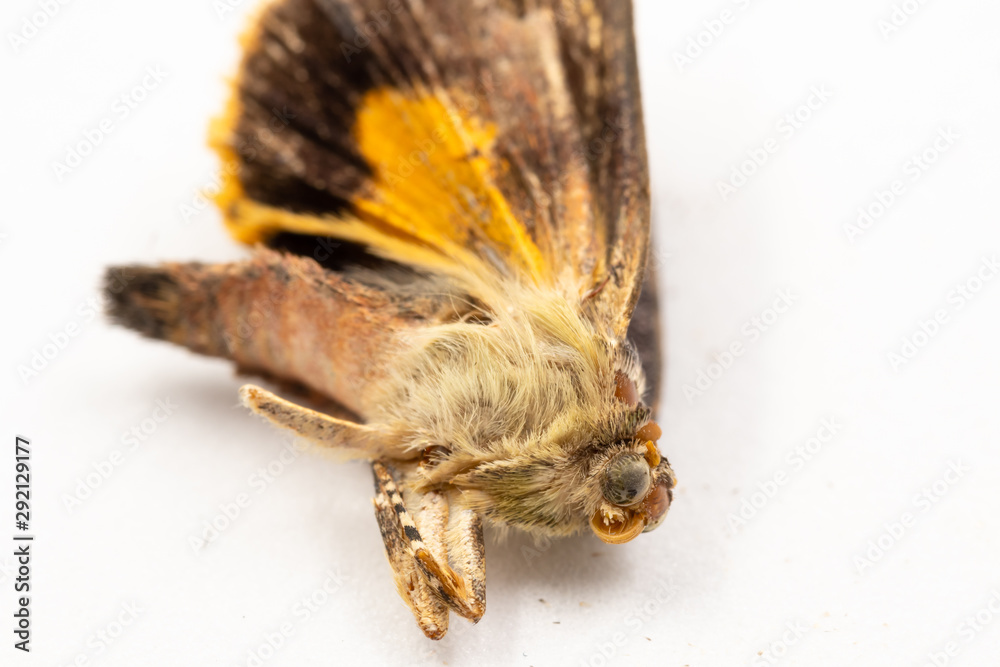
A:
<point x="412" y="553"/>
<point x="430" y="611"/>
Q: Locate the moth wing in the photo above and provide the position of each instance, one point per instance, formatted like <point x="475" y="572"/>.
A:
<point x="645" y="332"/>
<point x="473" y="139"/>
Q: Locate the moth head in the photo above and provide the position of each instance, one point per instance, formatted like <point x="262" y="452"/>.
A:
<point x="636" y="491"/>
<point x="636" y="483"/>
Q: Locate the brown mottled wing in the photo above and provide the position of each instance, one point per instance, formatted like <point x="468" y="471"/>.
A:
<point x="464" y="137"/>
<point x="600" y="60"/>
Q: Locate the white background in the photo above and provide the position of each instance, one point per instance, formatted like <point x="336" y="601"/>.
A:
<point x="701" y="590"/>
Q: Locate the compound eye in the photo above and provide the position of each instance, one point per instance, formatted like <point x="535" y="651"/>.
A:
<point x="626" y="479"/>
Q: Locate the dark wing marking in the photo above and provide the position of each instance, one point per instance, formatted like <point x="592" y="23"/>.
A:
<point x="645" y="332"/>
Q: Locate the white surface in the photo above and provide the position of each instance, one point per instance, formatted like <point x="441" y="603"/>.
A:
<point x="727" y="595"/>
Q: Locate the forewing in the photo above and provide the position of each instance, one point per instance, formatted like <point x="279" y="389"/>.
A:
<point x="599" y="59"/>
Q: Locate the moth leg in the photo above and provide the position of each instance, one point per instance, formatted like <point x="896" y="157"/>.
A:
<point x="468" y="551"/>
<point x="324" y="430"/>
<point x="464" y="594"/>
<point x="430" y="610"/>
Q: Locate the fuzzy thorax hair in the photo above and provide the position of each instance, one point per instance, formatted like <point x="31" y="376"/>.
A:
<point x="515" y="408"/>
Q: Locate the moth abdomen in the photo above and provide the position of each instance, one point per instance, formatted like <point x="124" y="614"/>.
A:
<point x="279" y="314"/>
<point x="160" y="302"/>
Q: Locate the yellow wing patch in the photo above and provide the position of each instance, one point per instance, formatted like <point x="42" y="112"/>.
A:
<point x="431" y="199"/>
<point x="433" y="177"/>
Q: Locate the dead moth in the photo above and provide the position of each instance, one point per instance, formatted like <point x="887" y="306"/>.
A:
<point x="448" y="205"/>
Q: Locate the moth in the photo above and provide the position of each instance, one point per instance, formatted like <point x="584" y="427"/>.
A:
<point x="448" y="207"/>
